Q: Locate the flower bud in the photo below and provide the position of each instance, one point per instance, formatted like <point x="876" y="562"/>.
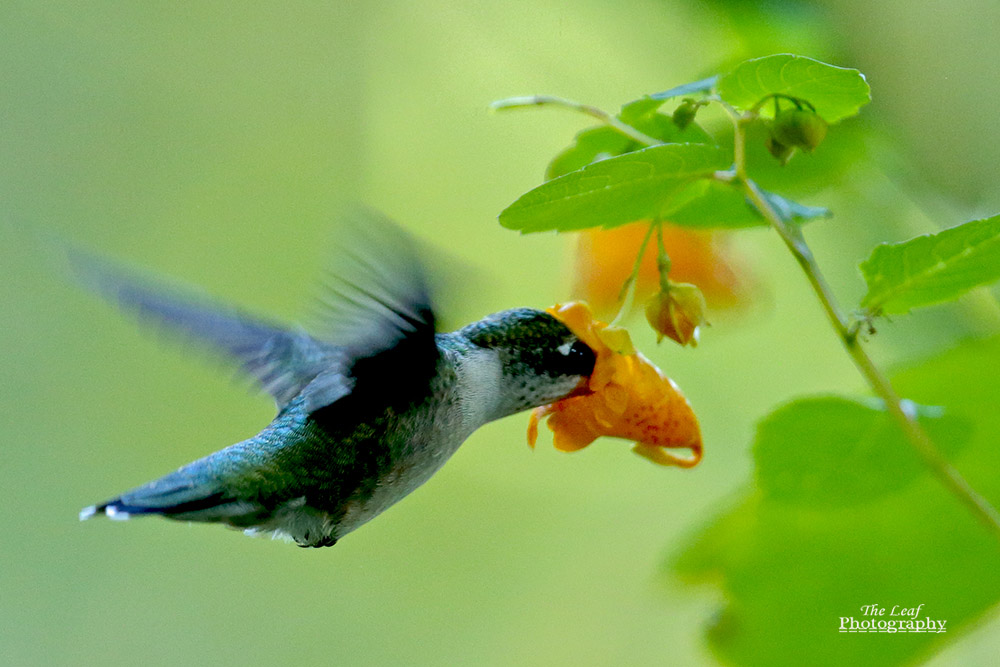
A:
<point x="798" y="128"/>
<point x="779" y="150"/>
<point x="677" y="313"/>
<point x="684" y="113"/>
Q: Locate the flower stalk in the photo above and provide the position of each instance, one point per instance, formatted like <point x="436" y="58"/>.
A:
<point x="906" y="418"/>
<point x="900" y="409"/>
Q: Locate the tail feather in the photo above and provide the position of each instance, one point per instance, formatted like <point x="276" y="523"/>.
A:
<point x="189" y="494"/>
<point x="194" y="493"/>
<point x="132" y="503"/>
<point x="116" y="510"/>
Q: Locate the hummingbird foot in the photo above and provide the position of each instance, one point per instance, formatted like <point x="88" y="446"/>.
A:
<point x="327" y="541"/>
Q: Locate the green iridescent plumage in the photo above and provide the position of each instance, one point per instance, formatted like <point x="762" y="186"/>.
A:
<point x="364" y="417"/>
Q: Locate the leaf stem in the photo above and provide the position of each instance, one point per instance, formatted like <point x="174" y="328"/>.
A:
<point x="550" y="100"/>
<point x="901" y="410"/>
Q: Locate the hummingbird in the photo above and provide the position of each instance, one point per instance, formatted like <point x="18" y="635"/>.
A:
<point x="366" y="412"/>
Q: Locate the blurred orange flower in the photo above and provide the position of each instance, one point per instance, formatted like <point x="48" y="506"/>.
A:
<point x="631" y="398"/>
<point x="605" y="259"/>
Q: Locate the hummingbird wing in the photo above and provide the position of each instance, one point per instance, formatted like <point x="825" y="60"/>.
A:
<point x="378" y="308"/>
<point x="282" y="361"/>
<point x="377" y="316"/>
<point x="381" y="358"/>
<point x="376" y="290"/>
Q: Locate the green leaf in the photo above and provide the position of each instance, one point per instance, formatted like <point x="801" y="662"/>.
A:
<point x="703" y="86"/>
<point x="835" y="163"/>
<point x="831" y="451"/>
<point x="835" y="92"/>
<point x="800" y="568"/>
<point x="616" y="191"/>
<point x="710" y="203"/>
<point x="662" y="127"/>
<point x="714" y="204"/>
<point x="702" y="203"/>
<point x="640" y="108"/>
<point x="594" y="143"/>
<point x="932" y="268"/>
<point x="602" y="142"/>
<point x="642" y="115"/>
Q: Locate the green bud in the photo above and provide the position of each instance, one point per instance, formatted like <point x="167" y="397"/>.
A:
<point x="685" y="112"/>
<point x="779" y="150"/>
<point x="677" y="313"/>
<point x="798" y="128"/>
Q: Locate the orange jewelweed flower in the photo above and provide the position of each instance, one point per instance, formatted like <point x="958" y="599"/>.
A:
<point x="605" y="258"/>
<point x="630" y="398"/>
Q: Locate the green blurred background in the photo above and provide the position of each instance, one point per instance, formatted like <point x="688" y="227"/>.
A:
<point x="214" y="141"/>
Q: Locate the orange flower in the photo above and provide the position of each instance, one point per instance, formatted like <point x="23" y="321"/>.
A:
<point x="631" y="398"/>
<point x="605" y="258"/>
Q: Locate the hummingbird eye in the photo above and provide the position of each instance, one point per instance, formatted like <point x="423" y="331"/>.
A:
<point x="578" y="358"/>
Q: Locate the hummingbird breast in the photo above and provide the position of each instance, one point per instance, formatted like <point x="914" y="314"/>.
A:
<point x="423" y="438"/>
<point x="346" y="464"/>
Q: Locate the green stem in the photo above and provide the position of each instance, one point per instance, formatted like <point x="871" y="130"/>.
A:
<point x="662" y="260"/>
<point x="627" y="294"/>
<point x="904" y="415"/>
<point x="601" y="115"/>
<point x="780" y="96"/>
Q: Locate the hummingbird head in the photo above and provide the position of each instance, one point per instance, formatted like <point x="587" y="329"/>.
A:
<point x="540" y="360"/>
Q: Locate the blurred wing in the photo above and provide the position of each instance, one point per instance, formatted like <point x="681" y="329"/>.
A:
<point x="378" y="307"/>
<point x="376" y="291"/>
<point x="282" y="361"/>
<point x="377" y="315"/>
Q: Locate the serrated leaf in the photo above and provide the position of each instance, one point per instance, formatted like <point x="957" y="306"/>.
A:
<point x="714" y="204"/>
<point x="602" y="142"/>
<point x="797" y="568"/>
<point x="932" y="268"/>
<point x="825" y="169"/>
<point x="663" y="128"/>
<point x="693" y="88"/>
<point x="831" y="451"/>
<point x="835" y="92"/>
<point x="589" y="145"/>
<point x="639" y="108"/>
<point x="642" y="115"/>
<point x="616" y="191"/>
<point x="711" y="203"/>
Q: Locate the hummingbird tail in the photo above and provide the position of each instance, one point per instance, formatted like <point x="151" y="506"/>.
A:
<point x="211" y="508"/>
<point x="189" y="494"/>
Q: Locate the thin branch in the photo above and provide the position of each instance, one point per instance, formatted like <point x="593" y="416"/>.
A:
<point x="627" y="294"/>
<point x="901" y="410"/>
<point x="601" y="115"/>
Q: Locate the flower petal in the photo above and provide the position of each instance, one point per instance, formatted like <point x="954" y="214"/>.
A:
<point x="631" y="398"/>
<point x="605" y="259"/>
